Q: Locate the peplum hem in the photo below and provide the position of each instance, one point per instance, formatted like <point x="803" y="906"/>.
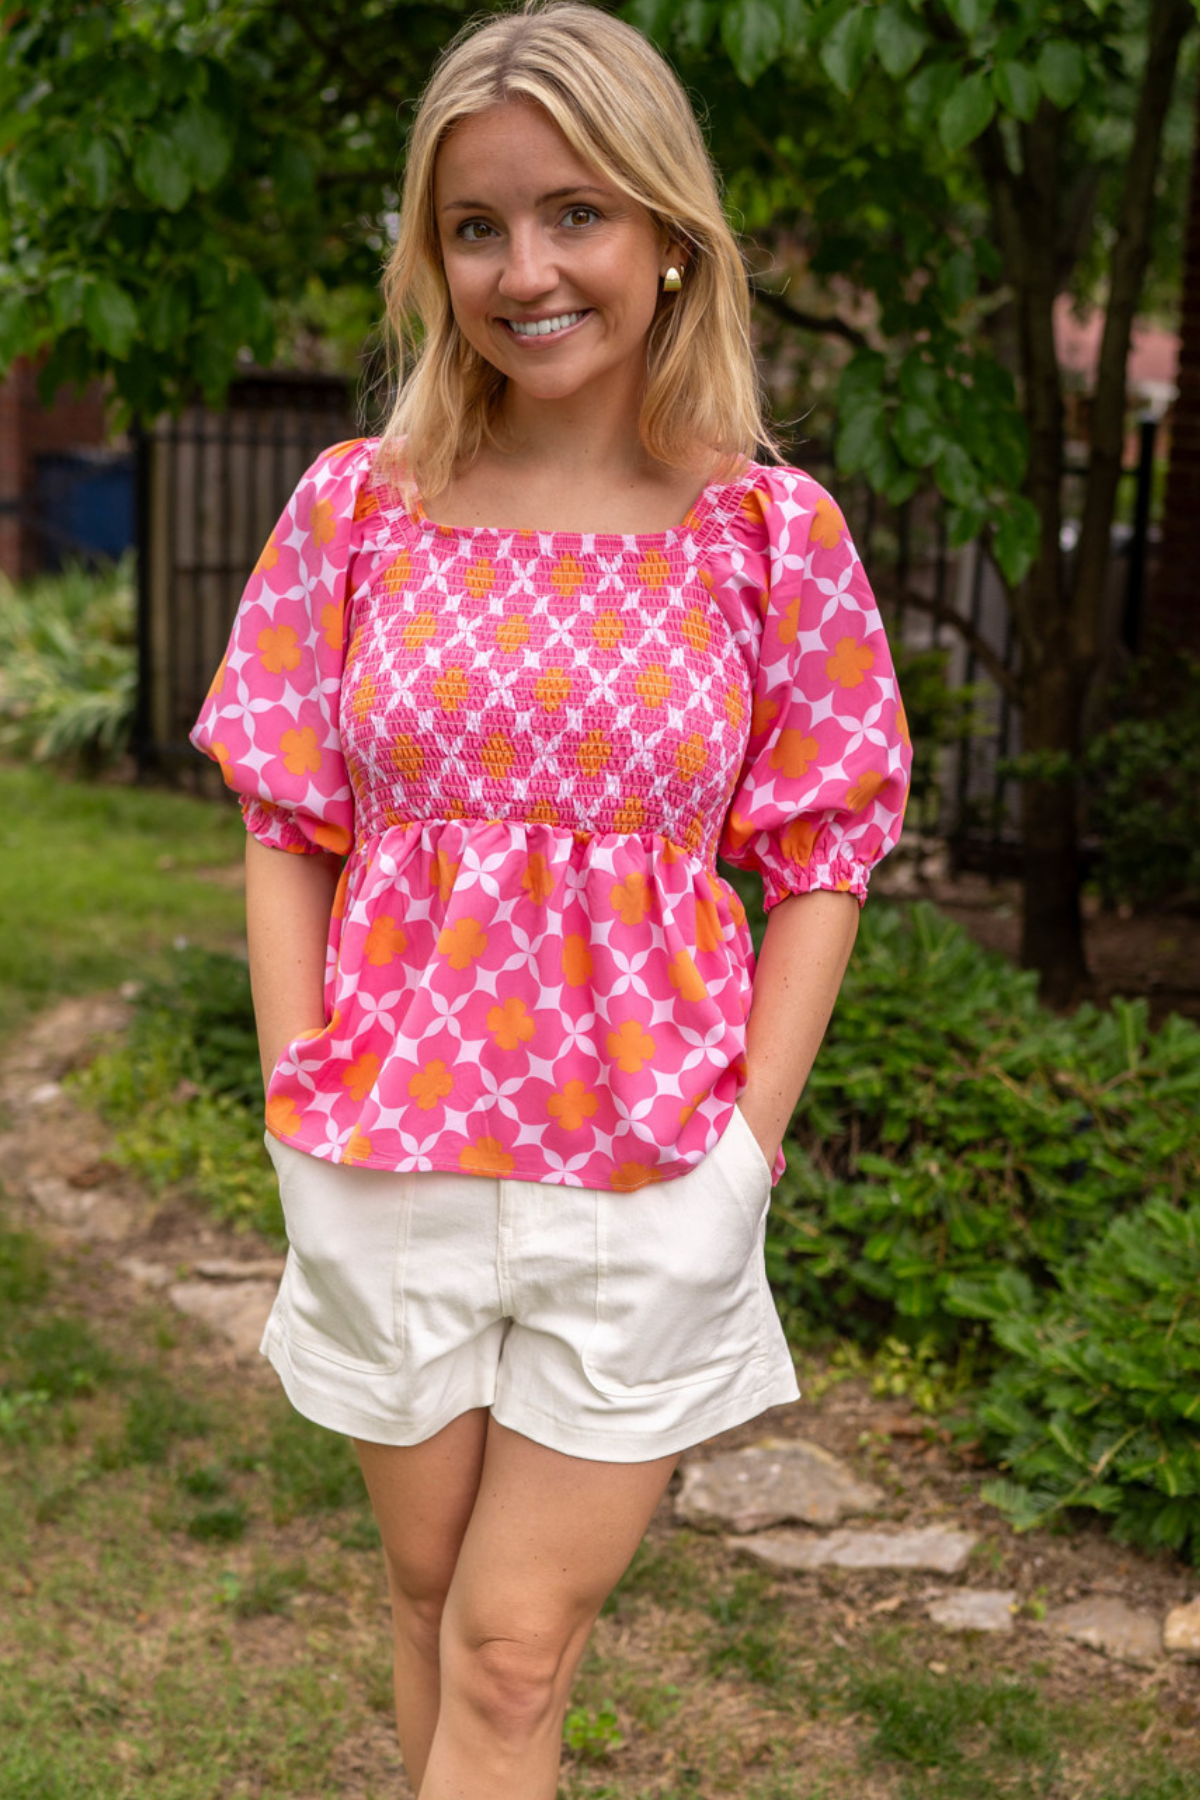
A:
<point x="524" y="1001"/>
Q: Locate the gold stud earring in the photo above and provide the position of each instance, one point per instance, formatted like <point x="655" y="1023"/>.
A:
<point x="672" y="281"/>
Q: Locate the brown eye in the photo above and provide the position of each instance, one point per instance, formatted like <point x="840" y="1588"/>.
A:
<point x="581" y="215"/>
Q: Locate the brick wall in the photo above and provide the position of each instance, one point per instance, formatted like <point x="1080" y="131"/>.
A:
<point x="29" y="429"/>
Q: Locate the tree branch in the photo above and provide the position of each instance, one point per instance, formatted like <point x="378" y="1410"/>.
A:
<point x="1004" y="678"/>
<point x="832" y="326"/>
<point x="1169" y="22"/>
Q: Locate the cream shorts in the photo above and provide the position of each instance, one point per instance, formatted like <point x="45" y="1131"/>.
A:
<point x="614" y="1326"/>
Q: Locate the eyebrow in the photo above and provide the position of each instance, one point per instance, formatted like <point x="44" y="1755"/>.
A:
<point x="581" y="187"/>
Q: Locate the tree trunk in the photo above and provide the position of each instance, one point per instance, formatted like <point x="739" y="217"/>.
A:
<point x="1173" y="616"/>
<point x="1052" y="920"/>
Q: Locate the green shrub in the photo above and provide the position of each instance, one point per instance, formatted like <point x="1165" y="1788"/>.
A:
<point x="1097" y="1405"/>
<point x="953" y="1129"/>
<point x="185" y="1090"/>
<point x="68" y="676"/>
<point x="1143" y="780"/>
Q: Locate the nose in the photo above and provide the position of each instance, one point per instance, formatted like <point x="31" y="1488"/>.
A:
<point x="529" y="268"/>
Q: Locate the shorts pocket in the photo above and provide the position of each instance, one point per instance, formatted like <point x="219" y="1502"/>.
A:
<point x="682" y="1295"/>
<point x="342" y="1292"/>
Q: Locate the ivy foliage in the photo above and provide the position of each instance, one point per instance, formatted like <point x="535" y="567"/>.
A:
<point x="954" y="1132"/>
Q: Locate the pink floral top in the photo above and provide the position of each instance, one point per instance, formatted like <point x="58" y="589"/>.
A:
<point x="533" y="746"/>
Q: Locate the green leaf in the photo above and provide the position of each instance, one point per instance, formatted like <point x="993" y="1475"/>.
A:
<point x="795" y="17"/>
<point x="845" y="51"/>
<point x="956" y="281"/>
<point x="1061" y="71"/>
<point x="899" y="40"/>
<point x="917" y="435"/>
<point x="204" y="145"/>
<point x="97" y="166"/>
<point x="292" y="171"/>
<point x="968" y="111"/>
<point x="964" y="524"/>
<point x="970" y="15"/>
<point x="957" y="476"/>
<point x="1016" y="539"/>
<point x="862" y="439"/>
<point x="652" y="17"/>
<point x="159" y="171"/>
<point x="695" y="21"/>
<point x="1017" y="90"/>
<point x="752" y="36"/>
<point x="919" y="381"/>
<point x="66" y="291"/>
<point x="167" y="315"/>
<point x="111" y="317"/>
<point x="15" y="322"/>
<point x="927" y="91"/>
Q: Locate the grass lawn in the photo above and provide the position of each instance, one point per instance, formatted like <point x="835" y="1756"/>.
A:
<point x="97" y="881"/>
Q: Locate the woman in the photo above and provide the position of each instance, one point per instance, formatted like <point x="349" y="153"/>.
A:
<point x="529" y="661"/>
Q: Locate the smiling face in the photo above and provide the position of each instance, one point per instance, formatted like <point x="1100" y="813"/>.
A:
<point x="554" y="273"/>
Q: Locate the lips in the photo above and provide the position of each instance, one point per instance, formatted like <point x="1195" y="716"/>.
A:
<point x="528" y="328"/>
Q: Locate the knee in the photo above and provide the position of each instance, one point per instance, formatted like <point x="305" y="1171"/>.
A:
<point x="510" y="1683"/>
<point x="417" y="1608"/>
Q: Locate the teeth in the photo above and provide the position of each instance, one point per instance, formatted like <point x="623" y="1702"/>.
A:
<point x="543" y="327"/>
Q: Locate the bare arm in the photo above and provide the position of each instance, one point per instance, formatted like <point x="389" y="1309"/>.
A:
<point x="288" y="903"/>
<point x="804" y="954"/>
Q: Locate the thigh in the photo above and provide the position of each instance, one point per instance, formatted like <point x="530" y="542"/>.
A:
<point x="549" y="1538"/>
<point x="422" y="1496"/>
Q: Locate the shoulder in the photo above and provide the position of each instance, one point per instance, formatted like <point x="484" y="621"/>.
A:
<point x="782" y="509"/>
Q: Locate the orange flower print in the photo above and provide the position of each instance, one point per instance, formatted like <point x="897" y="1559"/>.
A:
<point x="735" y="706"/>
<point x="631" y="898"/>
<point x="686" y="977"/>
<point x="363" y="698"/>
<point x="708" y="927"/>
<point x="419" y="630"/>
<point x="430" y="1084"/>
<point x="538" y="879"/>
<point x="690" y="757"/>
<point x="551" y="689"/>
<point x="396" y="573"/>
<point x="323" y="525"/>
<point x="864" y="790"/>
<point x="593" y="753"/>
<point x="278" y="650"/>
<point x="828" y="524"/>
<point x="566" y="577"/>
<point x="218" y="680"/>
<point x="331" y="624"/>
<point x="654" y="570"/>
<point x="793" y="754"/>
<point x="450" y="689"/>
<point x="487" y="1156"/>
<point x="693" y="837"/>
<point x="754" y="506"/>
<point x="626" y="1177"/>
<point x="408" y="758"/>
<point x="789" y="624"/>
<point x="282" y="1118"/>
<point x="739" y="830"/>
<point x="572" y="1106"/>
<point x="385" y="940"/>
<point x="479" y="578"/>
<point x="629" y="1047"/>
<point x="498" y="755"/>
<point x="340" y="892"/>
<point x="268" y="557"/>
<point x="696" y="628"/>
<point x="361" y="1076"/>
<point x="798" y="840"/>
<point x="358" y="1149"/>
<point x="334" y="838"/>
<point x="462" y="942"/>
<point x="512" y="632"/>
<point x="608" y="629"/>
<point x="849" y="662"/>
<point x="653" y="685"/>
<point x="365" y="504"/>
<point x="301" y="751"/>
<point x="336" y="452"/>
<point x="576" y="960"/>
<point x="902" y="725"/>
<point x="544" y="812"/>
<point x="761" y="716"/>
<point x="442" y="873"/>
<point x="510" y="1024"/>
<point x="630" y="815"/>
<point x="355" y="647"/>
<point x="736" y="910"/>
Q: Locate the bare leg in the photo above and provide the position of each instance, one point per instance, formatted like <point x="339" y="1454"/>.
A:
<point x="548" y="1539"/>
<point x="422" y="1497"/>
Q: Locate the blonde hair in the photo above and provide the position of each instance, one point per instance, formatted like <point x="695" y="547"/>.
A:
<point x="622" y="109"/>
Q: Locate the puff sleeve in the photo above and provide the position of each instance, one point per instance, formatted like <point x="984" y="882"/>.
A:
<point x="271" y="717"/>
<point x="821" y="793"/>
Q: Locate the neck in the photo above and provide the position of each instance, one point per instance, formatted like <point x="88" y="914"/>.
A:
<point x="577" y="438"/>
